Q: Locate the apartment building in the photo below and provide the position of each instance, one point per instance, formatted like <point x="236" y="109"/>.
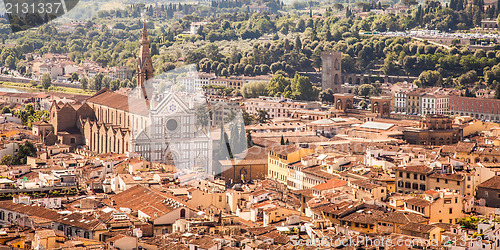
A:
<point x="439" y="206"/>
<point x="399" y="102"/>
<point x="479" y="108"/>
<point x="277" y="107"/>
<point x="412" y="178"/>
<point x="280" y="157"/>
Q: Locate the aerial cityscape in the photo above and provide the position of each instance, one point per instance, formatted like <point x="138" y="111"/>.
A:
<point x="236" y="124"/>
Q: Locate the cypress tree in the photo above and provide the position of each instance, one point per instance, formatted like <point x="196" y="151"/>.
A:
<point x="233" y="142"/>
<point x="497" y="91"/>
<point x="242" y="138"/>
<point x="249" y="139"/>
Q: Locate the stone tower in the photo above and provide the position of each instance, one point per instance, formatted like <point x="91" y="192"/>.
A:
<point x="144" y="63"/>
<point x="331" y="75"/>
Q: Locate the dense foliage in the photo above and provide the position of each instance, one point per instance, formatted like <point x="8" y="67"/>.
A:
<point x="281" y="39"/>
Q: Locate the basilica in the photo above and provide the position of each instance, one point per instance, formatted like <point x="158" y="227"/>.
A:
<point x="152" y="122"/>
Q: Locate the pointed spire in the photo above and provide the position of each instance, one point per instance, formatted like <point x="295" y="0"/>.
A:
<point x="144" y="32"/>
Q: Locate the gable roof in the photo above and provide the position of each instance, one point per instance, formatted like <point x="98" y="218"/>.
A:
<point x="330" y="184"/>
<point x="79" y="220"/>
<point x="418" y="202"/>
<point x="415" y="169"/>
<point x="492" y="183"/>
<point x="148" y="201"/>
<point x="106" y="97"/>
<point x="417" y="227"/>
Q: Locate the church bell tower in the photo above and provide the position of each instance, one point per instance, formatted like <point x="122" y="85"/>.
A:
<point x="144" y="63"/>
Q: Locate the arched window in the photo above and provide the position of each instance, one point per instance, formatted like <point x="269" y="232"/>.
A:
<point x="183" y="213"/>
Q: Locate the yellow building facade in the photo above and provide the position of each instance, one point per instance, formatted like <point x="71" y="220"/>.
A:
<point x="280" y="156"/>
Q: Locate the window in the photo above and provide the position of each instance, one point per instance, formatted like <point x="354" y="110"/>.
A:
<point x="445" y="181"/>
<point x="183" y="213"/>
<point x="450" y="211"/>
<point x="437" y="180"/>
<point x="401" y="174"/>
<point x="414" y="176"/>
<point x="408" y="175"/>
<point x="422" y="177"/>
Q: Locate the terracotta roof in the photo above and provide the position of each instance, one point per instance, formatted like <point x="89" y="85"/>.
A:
<point x="284" y="149"/>
<point x="117" y="237"/>
<point x="418" y="202"/>
<point x="73" y="219"/>
<point x="416" y="169"/>
<point x="278" y="237"/>
<point x="264" y="142"/>
<point x="417" y="227"/>
<point x="303" y="192"/>
<point x="111" y="99"/>
<point x="365" y="184"/>
<point x="365" y="215"/>
<point x="431" y="192"/>
<point x="449" y="149"/>
<point x="260" y="230"/>
<point x="492" y="183"/>
<point x="252" y="153"/>
<point x="316" y="170"/>
<point x="336" y="208"/>
<point x="465" y="146"/>
<point x="38" y="123"/>
<point x="147" y="200"/>
<point x="402" y="217"/>
<point x="260" y="192"/>
<point x="330" y="184"/>
<point x="204" y="242"/>
<point x="453" y="177"/>
<point x="488" y="151"/>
